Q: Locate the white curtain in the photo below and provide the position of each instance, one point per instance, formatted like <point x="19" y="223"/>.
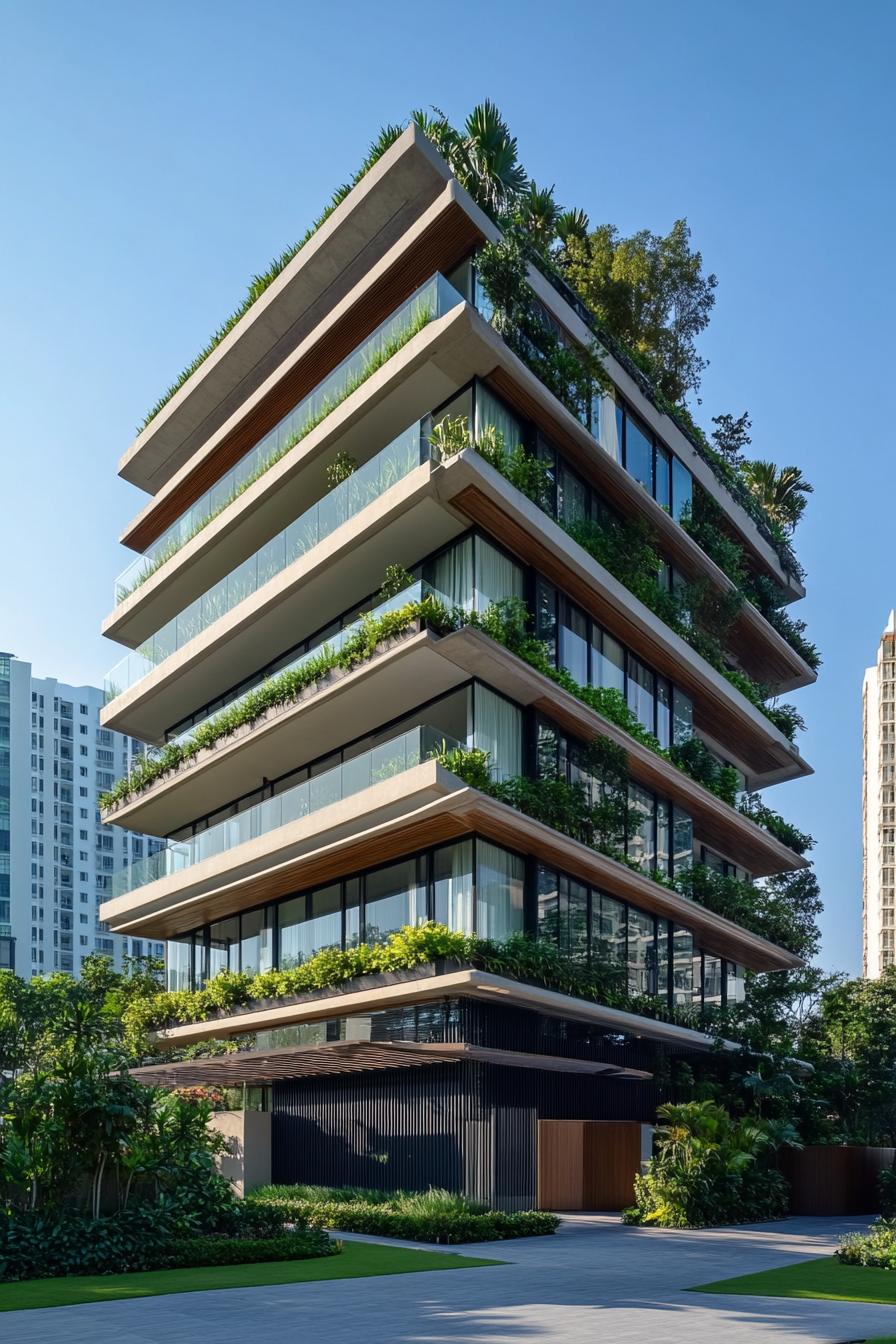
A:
<point x="497" y="576"/>
<point x="490" y="411"/>
<point x="499" y="892"/>
<point x="452" y="573"/>
<point x="498" y="729"/>
<point x="453" y="882"/>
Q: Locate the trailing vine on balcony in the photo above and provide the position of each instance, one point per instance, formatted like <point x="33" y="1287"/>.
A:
<point x="697" y="611"/>
<point x="528" y="960"/>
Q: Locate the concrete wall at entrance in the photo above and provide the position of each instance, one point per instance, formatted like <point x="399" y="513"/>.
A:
<point x="590" y="1164"/>
<point x="827" y="1180"/>
<point x="247" y="1163"/>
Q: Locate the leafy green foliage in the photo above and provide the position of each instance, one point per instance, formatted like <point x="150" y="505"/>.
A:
<point x="651" y="292"/>
<point x="483" y="156"/>
<point x="875" y="1248"/>
<point x="432" y="1215"/>
<point x="782" y="491"/>
<point x="339" y="470"/>
<point x="694" y="757"/>
<point x="282" y="689"/>
<point x="709" y="1169"/>
<point x="97" y="1172"/>
<point x="523" y="469"/>
<point x="799" y="841"/>
<point x="783" y="909"/>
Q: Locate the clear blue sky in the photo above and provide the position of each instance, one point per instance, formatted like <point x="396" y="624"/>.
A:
<point x="154" y="156"/>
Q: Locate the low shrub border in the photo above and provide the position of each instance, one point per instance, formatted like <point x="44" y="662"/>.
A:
<point x="447" y="1226"/>
<point x="193" y="1252"/>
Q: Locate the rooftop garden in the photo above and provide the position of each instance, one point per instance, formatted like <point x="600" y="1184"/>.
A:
<point x="646" y="298"/>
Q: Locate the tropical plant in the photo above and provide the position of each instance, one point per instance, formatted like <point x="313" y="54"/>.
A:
<point x="709" y="1168"/>
<point x="782" y="491"/>
<point x="483" y="156"/>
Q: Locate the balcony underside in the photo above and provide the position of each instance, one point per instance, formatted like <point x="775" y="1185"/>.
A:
<point x="381" y="212"/>
<point x="423" y="806"/>
<point x="407" y="673"/>
<point x="426" y="986"/>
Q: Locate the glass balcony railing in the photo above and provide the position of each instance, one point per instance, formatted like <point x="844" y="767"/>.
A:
<point x="415" y="592"/>
<point x="397" y="460"/>
<point x="431" y="300"/>
<point x="343" y="781"/>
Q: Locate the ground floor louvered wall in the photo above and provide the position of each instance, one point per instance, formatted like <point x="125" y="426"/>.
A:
<point x="464" y="1127"/>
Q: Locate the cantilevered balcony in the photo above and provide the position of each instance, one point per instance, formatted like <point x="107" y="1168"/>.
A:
<point x="405" y="201"/>
<point x="412" y="808"/>
<point x="407" y="671"/>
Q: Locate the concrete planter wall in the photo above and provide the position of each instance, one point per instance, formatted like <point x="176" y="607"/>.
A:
<point x="247" y="1163"/>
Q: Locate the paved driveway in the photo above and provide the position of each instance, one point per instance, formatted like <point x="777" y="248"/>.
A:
<point x="596" y="1282"/>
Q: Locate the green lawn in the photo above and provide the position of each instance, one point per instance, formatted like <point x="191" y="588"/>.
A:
<point x="825" y="1278"/>
<point x="359" y="1259"/>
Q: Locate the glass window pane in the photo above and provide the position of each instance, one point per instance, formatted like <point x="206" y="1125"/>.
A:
<point x="293" y="915"/>
<point x="499" y="892"/>
<point x="642" y="965"/>
<point x="640" y="688"/>
<point x="179" y="963"/>
<point x="394" y="897"/>
<point x="611" y="662"/>
<point x="663" y="837"/>
<point x="734" y="984"/>
<point x="682" y="840"/>
<point x="224" y="946"/>
<point x="256" y="941"/>
<point x="641" y="846"/>
<point x="682" y="965"/>
<point x="712" y="981"/>
<point x="576" y="940"/>
<point x="662" y="958"/>
<point x="663" y="485"/>
<point x="638" y="453"/>
<point x="608" y="427"/>
<point x="609" y="923"/>
<point x="682" y="716"/>
<point x="352" y="895"/>
<point x="663" y="712"/>
<point x="453" y="886"/>
<point x="682" y="488"/>
<point x="574" y="643"/>
<point x="572" y="502"/>
<point x="549" y="905"/>
<point x="546" y="617"/>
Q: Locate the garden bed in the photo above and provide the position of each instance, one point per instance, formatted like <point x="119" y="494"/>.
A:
<point x="435" y="1216"/>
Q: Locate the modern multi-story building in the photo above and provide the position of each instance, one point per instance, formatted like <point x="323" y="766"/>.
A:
<point x="879" y="806"/>
<point x="296" y="465"/>
<point x="56" y="857"/>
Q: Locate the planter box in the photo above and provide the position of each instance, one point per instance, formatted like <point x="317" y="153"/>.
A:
<point x="829" y="1180"/>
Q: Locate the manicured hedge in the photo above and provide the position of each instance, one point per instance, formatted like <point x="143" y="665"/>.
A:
<point x="452" y="1227"/>
<point x="192" y="1252"/>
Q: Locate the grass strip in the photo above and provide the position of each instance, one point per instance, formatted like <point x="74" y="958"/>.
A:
<point x="359" y="1260"/>
<point x="824" y="1278"/>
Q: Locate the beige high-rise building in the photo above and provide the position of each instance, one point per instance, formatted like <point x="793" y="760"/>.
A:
<point x="879" y="805"/>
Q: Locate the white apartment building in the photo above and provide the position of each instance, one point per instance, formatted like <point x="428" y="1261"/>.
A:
<point x="879" y="806"/>
<point x="56" y="858"/>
